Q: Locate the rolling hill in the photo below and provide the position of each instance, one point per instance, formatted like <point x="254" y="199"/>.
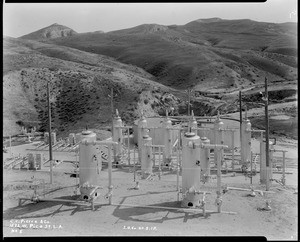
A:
<point x="80" y="83"/>
<point x="225" y="54"/>
<point x="149" y="66"/>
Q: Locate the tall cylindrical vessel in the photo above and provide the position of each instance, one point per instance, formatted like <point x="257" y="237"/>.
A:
<point x="53" y="138"/>
<point x="46" y="137"/>
<point x="72" y="138"/>
<point x="204" y="160"/>
<point x="218" y="137"/>
<point x="190" y="170"/>
<point x="118" y="135"/>
<point x="88" y="164"/>
<point x="246" y="141"/>
<point x="167" y="140"/>
<point x="31" y="161"/>
<point x="142" y="130"/>
<point x="194" y="125"/>
<point x="263" y="167"/>
<point x="39" y="161"/>
<point x="146" y="155"/>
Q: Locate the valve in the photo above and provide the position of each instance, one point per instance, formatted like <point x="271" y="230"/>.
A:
<point x="35" y="198"/>
<point x="225" y="189"/>
<point x="252" y="194"/>
<point x="267" y="206"/>
<point x="108" y="195"/>
<point x="218" y="201"/>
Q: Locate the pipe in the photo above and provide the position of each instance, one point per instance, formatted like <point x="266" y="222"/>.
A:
<point x="107" y="142"/>
<point x="10" y="153"/>
<point x="110" y="173"/>
<point x="175" y="143"/>
<point x="210" y="146"/>
<point x="134" y="171"/>
<point x="232" y="150"/>
<point x="159" y="163"/>
<point x="128" y="143"/>
<point x="251" y="167"/>
<point x="177" y="173"/>
<point x="283" y="168"/>
<point x="248" y="190"/>
<point x="37" y="199"/>
<point x="219" y="182"/>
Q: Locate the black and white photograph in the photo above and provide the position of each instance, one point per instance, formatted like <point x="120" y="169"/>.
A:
<point x="150" y="119"/>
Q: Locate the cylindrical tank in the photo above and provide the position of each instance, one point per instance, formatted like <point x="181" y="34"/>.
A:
<point x="167" y="140"/>
<point x="218" y="137"/>
<point x="146" y="155"/>
<point x="88" y="163"/>
<point x="46" y="137"/>
<point x="117" y="135"/>
<point x="31" y="162"/>
<point x="194" y="124"/>
<point x="142" y="125"/>
<point x="53" y="138"/>
<point x="190" y="170"/>
<point x="246" y="141"/>
<point x="77" y="137"/>
<point x="204" y="160"/>
<point x="72" y="138"/>
<point x="39" y="161"/>
<point x="263" y="165"/>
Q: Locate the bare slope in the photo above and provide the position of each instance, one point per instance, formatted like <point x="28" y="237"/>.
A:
<point x="80" y="85"/>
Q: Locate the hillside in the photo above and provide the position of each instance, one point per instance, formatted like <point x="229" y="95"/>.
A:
<point x="149" y="67"/>
<point x="226" y="54"/>
<point x="80" y="85"/>
<point x="51" y="32"/>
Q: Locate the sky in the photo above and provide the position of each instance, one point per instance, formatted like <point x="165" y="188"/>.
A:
<point x="23" y="18"/>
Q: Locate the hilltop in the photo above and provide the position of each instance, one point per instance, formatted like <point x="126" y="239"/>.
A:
<point x="51" y="32"/>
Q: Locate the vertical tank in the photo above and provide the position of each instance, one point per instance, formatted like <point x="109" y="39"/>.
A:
<point x="72" y="138"/>
<point x="88" y="163"/>
<point x="46" y="137"/>
<point x="190" y="170"/>
<point x="53" y="138"/>
<point x="142" y="125"/>
<point x="146" y="156"/>
<point x="194" y="124"/>
<point x="117" y="134"/>
<point x="167" y="140"/>
<point x="204" y="160"/>
<point x="31" y="162"/>
<point x="39" y="161"/>
<point x="77" y="137"/>
<point x="218" y="137"/>
<point x="263" y="165"/>
<point x="246" y="141"/>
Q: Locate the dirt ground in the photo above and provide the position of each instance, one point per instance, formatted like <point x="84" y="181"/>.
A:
<point x="70" y="219"/>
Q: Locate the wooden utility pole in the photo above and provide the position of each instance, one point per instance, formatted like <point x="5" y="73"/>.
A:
<point x="49" y="130"/>
<point x="112" y="110"/>
<point x="241" y="121"/>
<point x="267" y="136"/>
<point x="189" y="101"/>
<point x="112" y="121"/>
